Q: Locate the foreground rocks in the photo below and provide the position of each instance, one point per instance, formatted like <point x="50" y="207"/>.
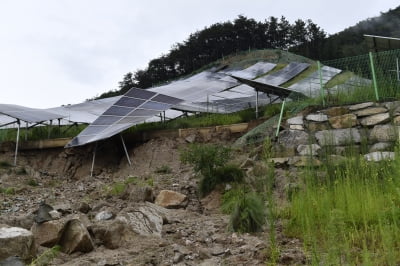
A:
<point x="16" y="241"/>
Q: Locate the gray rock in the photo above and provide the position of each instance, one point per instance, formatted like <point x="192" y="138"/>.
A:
<point x="84" y="207"/>
<point x="336" y="111"/>
<point x="12" y="261"/>
<point x="392" y="105"/>
<point x="42" y="213"/>
<point x="379" y="156"/>
<point x="16" y="241"/>
<point x="76" y="238"/>
<point x="371" y="111"/>
<point x="305" y="150"/>
<point x="375" y="119"/>
<point x="217" y="250"/>
<point x="191" y="138"/>
<point x="338" y="136"/>
<point x="298" y="120"/>
<point x="55" y="214"/>
<point x="360" y="106"/>
<point x="104" y="215"/>
<point x="296" y="127"/>
<point x="293" y="137"/>
<point x="384" y="133"/>
<point x="110" y="233"/>
<point x="317" y="117"/>
<point x="144" y="219"/>
<point x="380" y="146"/>
<point x="343" y="121"/>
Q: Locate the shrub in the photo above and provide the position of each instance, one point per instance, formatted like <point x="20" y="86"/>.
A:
<point x="32" y="182"/>
<point x="229" y="173"/>
<point x="164" y="169"/>
<point x="248" y="214"/>
<point x="4" y="164"/>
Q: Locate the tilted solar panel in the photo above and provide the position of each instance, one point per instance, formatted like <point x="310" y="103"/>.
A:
<point x="134" y="107"/>
<point x="284" y="75"/>
<point x="30" y="115"/>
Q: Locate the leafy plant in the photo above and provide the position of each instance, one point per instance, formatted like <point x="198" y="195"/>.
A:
<point x="32" y="182"/>
<point x="46" y="257"/>
<point x="164" y="169"/>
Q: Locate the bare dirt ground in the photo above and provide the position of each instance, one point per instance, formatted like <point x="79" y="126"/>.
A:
<point x="195" y="235"/>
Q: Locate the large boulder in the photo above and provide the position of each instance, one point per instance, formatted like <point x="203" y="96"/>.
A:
<point x="16" y="241"/>
<point x="48" y="234"/>
<point x="110" y="233"/>
<point x="76" y="238"/>
<point x="171" y="199"/>
<point x="371" y="111"/>
<point x="377" y="156"/>
<point x="338" y="136"/>
<point x="360" y="106"/>
<point x="317" y="117"/>
<point x="144" y="219"/>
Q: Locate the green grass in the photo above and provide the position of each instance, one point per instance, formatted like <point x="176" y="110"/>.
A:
<point x="349" y="214"/>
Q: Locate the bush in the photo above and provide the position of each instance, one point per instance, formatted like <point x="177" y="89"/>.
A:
<point x="229" y="173"/>
<point x="248" y="213"/>
<point x="164" y="169"/>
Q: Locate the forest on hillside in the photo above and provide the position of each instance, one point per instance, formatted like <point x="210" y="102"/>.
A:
<point x="222" y="39"/>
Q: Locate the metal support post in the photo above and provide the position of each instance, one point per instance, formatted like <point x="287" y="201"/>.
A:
<point x="26" y="131"/>
<point x="94" y="158"/>
<point x="280" y="119"/>
<point x="321" y="83"/>
<point x="398" y="69"/>
<point x="371" y="59"/>
<point x="49" y="130"/>
<point x="17" y="143"/>
<point x="256" y="104"/>
<point x="126" y="151"/>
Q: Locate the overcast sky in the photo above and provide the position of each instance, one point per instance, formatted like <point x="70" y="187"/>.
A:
<point x="55" y="52"/>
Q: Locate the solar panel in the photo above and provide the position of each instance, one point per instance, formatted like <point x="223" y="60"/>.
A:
<point x="30" y="115"/>
<point x="134" y="107"/>
<point x="284" y="75"/>
<point x="311" y="85"/>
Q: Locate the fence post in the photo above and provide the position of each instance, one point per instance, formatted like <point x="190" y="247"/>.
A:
<point x="371" y="59"/>
<point x="280" y="119"/>
<point x="320" y="82"/>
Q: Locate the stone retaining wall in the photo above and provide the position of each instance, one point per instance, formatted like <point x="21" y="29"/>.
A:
<point x="366" y="128"/>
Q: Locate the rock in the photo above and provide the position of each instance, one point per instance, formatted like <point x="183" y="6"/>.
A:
<point x="76" y="238"/>
<point x="64" y="208"/>
<point x="178" y="257"/>
<point x="135" y="193"/>
<point x="298" y="120"/>
<point x="144" y="219"/>
<point x="191" y="138"/>
<point x="25" y="220"/>
<point x="110" y="233"/>
<point x="336" y="111"/>
<point x="338" y="136"/>
<point x="171" y="200"/>
<point x="371" y="111"/>
<point x="317" y="117"/>
<point x="281" y="150"/>
<point x="84" y="207"/>
<point x="396" y="121"/>
<point x="375" y="119"/>
<point x="360" y="106"/>
<point x="380" y="146"/>
<point x="343" y="121"/>
<point x="204" y="253"/>
<point x="305" y="150"/>
<point x="55" y="214"/>
<point x="217" y="250"/>
<point x="12" y="261"/>
<point x="103" y="216"/>
<point x="379" y="156"/>
<point x="293" y="137"/>
<point x="384" y="133"/>
<point x="16" y="241"/>
<point x="302" y="161"/>
<point x="296" y="127"/>
<point x="279" y="161"/>
<point x="48" y="234"/>
<point x="42" y="213"/>
<point x="314" y="126"/>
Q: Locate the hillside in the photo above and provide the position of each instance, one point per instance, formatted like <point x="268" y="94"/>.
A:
<point x="351" y="42"/>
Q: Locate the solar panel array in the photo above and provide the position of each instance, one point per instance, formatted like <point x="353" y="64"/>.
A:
<point x="311" y="85"/>
<point x="30" y="115"/>
<point x="134" y="107"/>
